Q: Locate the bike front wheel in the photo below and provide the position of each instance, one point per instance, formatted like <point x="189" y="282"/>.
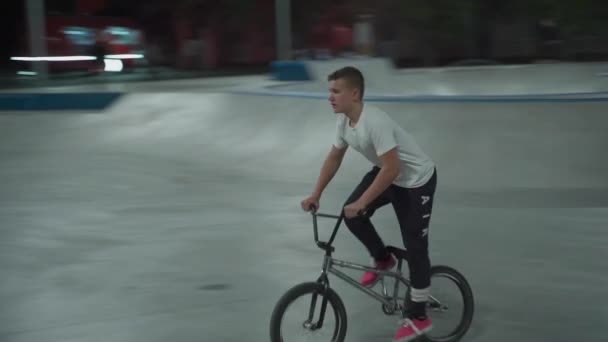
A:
<point x="308" y="312"/>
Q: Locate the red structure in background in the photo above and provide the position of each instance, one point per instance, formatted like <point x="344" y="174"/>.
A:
<point x="230" y="34"/>
<point x="83" y="34"/>
<point x="213" y="34"/>
<point x="332" y="30"/>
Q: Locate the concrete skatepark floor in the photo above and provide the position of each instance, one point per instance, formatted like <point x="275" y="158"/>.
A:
<point x="175" y="215"/>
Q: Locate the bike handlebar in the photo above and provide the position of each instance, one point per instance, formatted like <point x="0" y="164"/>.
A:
<point x="325" y="245"/>
<point x="314" y="214"/>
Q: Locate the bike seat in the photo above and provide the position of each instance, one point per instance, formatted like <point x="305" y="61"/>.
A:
<point x="397" y="252"/>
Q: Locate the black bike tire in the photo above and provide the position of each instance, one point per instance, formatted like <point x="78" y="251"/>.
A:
<point x="469" y="304"/>
<point x="304" y="289"/>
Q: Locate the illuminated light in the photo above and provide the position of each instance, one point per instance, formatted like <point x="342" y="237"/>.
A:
<point x="126" y="56"/>
<point x="27" y="73"/>
<point x="54" y="59"/>
<point x="119" y="31"/>
<point x="113" y="65"/>
<point x="75" y="58"/>
<point x="75" y="32"/>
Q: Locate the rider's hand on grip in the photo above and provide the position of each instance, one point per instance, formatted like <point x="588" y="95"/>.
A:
<point x="310" y="203"/>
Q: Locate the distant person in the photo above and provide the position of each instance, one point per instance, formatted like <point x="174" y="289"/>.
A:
<point x="402" y="175"/>
<point x="99" y="50"/>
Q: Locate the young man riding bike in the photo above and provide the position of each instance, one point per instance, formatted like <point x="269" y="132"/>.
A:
<point x="402" y="175"/>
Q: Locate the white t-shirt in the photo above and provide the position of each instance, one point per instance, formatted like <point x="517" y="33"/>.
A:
<point x="375" y="134"/>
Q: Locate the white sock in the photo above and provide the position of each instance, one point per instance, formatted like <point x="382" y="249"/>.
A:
<point x="420" y="295"/>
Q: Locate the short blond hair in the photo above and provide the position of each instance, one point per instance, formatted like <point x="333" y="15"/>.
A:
<point x="352" y="75"/>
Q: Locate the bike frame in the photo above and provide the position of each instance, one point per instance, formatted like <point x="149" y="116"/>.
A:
<point x="330" y="266"/>
<point x="390" y="304"/>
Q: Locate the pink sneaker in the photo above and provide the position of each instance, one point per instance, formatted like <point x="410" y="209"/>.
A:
<point x="411" y="329"/>
<point x="370" y="279"/>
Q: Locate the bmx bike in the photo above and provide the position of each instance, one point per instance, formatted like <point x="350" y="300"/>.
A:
<point x="316" y="316"/>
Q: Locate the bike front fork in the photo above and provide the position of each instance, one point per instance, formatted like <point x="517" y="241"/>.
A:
<point x="308" y="324"/>
<point x="324" y="281"/>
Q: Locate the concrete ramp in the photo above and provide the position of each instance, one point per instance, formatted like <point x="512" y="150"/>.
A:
<point x="377" y="71"/>
<point x="384" y="81"/>
<point x="477" y="146"/>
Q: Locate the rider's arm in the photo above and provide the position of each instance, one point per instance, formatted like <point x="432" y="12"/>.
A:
<point x="328" y="170"/>
<point x="386" y="176"/>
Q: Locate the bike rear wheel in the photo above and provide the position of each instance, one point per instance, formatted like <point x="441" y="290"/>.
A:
<point x="319" y="315"/>
<point x="450" y="306"/>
